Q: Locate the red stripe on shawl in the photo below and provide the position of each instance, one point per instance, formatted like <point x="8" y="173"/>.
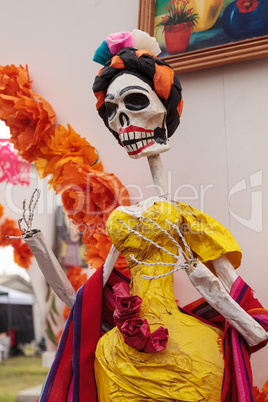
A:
<point x="90" y="334"/>
<point x="243" y="373"/>
<point x="237" y="382"/>
<point x="59" y="377"/>
<point x="58" y="393"/>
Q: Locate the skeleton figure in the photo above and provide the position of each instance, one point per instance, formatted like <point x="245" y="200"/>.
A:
<point x="150" y="116"/>
<point x="139" y="99"/>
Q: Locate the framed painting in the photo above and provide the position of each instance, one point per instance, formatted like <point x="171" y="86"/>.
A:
<point x="199" y="34"/>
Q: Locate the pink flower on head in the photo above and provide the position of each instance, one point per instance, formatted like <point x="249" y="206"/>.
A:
<point x="119" y="41"/>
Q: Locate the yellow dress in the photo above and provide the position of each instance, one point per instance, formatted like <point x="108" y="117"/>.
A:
<point x="191" y="366"/>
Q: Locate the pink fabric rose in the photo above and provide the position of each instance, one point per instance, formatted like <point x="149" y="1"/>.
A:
<point x="118" y="41"/>
<point x="135" y="333"/>
<point x="127" y="307"/>
<point x="157" y="341"/>
<point x="121" y="289"/>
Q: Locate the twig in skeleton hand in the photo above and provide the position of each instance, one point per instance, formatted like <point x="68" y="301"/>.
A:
<point x="32" y="206"/>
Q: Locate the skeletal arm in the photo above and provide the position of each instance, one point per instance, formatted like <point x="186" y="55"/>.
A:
<point x="216" y="294"/>
<point x="47" y="261"/>
<point x="53" y="271"/>
<point x="50" y="267"/>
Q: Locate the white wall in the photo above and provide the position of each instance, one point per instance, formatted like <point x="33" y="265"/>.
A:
<point x="221" y="141"/>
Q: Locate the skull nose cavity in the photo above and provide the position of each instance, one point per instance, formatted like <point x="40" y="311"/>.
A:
<point x="124" y="119"/>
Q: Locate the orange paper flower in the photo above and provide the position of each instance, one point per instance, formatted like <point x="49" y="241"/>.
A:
<point x="59" y="143"/>
<point x="1" y="210"/>
<point x="88" y="194"/>
<point x="8" y="227"/>
<point x="259" y="396"/>
<point x="77" y="279"/>
<point x="22" y="253"/>
<point x="98" y="246"/>
<point x="265" y="388"/>
<point x="27" y="115"/>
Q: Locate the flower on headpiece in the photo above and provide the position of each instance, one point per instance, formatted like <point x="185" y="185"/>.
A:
<point x="118" y="41"/>
<point x="115" y="42"/>
<point x="142" y="40"/>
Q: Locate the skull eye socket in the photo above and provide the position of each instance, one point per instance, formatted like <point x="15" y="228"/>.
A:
<point x="136" y="101"/>
<point x="111" y="109"/>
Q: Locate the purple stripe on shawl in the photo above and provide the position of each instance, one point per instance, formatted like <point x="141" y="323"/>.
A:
<point x="239" y="290"/>
<point x="47" y="387"/>
<point x="262" y="321"/>
<point x="240" y="350"/>
<point x="225" y="389"/>
<point x="243" y="349"/>
<point x="206" y="311"/>
<point x="120" y="275"/>
<point x="76" y="343"/>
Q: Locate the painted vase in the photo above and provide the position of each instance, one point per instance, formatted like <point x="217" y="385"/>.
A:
<point x="177" y="37"/>
<point x="239" y="25"/>
<point x="208" y="12"/>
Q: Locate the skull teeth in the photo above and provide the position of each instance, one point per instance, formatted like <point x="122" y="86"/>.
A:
<point x="136" y="139"/>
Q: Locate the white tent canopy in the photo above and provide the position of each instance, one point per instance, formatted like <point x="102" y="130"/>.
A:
<point x="11" y="296"/>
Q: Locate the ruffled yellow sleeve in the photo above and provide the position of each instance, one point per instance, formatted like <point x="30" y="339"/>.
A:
<point x="207" y="238"/>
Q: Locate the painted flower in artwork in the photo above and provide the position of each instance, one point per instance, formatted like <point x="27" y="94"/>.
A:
<point x="178" y="12"/>
<point x="246" y="6"/>
<point x="244" y="19"/>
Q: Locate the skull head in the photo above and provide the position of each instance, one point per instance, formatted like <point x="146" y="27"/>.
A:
<point x="137" y="115"/>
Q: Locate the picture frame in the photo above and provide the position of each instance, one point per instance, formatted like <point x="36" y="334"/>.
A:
<point x="229" y="53"/>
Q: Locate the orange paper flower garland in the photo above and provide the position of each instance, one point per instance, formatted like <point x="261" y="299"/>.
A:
<point x="88" y="194"/>
<point x="22" y="253"/>
<point x="260" y="396"/>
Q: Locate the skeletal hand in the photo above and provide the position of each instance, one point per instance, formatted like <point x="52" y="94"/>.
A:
<point x="28" y="231"/>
